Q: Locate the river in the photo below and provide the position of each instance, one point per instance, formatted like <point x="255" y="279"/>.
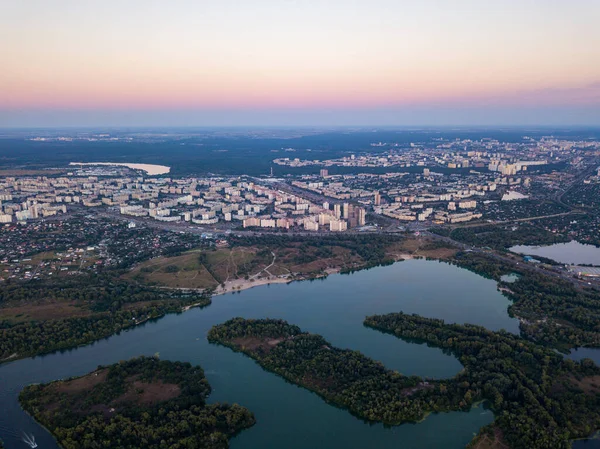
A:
<point x="287" y="415"/>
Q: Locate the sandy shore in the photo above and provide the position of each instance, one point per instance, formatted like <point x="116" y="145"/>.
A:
<point x="237" y="285"/>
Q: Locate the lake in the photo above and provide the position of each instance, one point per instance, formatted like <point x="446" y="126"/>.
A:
<point x="287" y="415"/>
<point x="572" y="253"/>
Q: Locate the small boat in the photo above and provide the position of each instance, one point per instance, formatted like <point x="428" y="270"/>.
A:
<point x="29" y="440"/>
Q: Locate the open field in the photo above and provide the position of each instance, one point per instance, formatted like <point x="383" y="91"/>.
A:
<point x="420" y="247"/>
<point x="239" y="265"/>
<point x="194" y="269"/>
<point x="43" y="310"/>
<point x="491" y="440"/>
<point x="178" y="272"/>
<point x="136" y="392"/>
<point x="590" y="384"/>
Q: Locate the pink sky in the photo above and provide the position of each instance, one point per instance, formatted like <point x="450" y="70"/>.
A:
<point x="229" y="54"/>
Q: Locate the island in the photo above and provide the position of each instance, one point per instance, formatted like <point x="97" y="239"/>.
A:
<point x="343" y="377"/>
<point x="143" y="402"/>
<point x="540" y="399"/>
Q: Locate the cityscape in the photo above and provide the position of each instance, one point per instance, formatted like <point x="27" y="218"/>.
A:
<point x="283" y="224"/>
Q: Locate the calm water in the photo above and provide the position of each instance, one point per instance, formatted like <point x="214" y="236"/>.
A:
<point x="289" y="416"/>
<point x="572" y="253"/>
<point x="586" y="353"/>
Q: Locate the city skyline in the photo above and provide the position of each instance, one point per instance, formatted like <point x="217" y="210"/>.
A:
<point x="285" y="62"/>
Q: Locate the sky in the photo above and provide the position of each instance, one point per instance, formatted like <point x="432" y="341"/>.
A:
<point x="299" y="62"/>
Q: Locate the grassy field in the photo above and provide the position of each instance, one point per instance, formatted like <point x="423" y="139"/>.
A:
<point x="195" y="269"/>
<point x="493" y="439"/>
<point x="181" y="271"/>
<point x="200" y="269"/>
<point x="421" y="247"/>
<point x="208" y="269"/>
<point x="43" y="310"/>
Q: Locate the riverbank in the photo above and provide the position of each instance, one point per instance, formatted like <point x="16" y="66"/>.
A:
<point x="237" y="285"/>
<point x="335" y="308"/>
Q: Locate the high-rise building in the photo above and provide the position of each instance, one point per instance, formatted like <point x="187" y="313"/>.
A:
<point x="362" y="216"/>
<point x="324" y="172"/>
<point x="310" y="225"/>
<point x="356" y="216"/>
<point x="426" y="172"/>
<point x="337" y="210"/>
<point x="346" y="210"/>
<point x="324" y="219"/>
<point x="338" y="225"/>
<point x="377" y="199"/>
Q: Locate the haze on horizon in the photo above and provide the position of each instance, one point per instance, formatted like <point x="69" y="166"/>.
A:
<point x="293" y="62"/>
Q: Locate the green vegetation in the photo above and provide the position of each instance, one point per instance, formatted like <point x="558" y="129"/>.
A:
<point x="348" y="251"/>
<point x="501" y="237"/>
<point x="187" y="270"/>
<point x="540" y="399"/>
<point x="141" y="403"/>
<point x="41" y="316"/>
<point x="344" y="377"/>
<point x="92" y="308"/>
<point x="553" y="311"/>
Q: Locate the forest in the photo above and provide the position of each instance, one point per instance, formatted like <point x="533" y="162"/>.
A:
<point x="140" y="403"/>
<point x="553" y="311"/>
<point x="103" y="306"/>
<point x="343" y="377"/>
<point x="540" y="399"/>
<point x="501" y="237"/>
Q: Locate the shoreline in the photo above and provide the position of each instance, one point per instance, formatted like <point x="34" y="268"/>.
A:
<point x="238" y="285"/>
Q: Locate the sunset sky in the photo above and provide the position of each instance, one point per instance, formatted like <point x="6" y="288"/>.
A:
<point x="305" y="62"/>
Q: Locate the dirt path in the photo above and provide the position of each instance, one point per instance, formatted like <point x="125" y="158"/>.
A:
<point x="266" y="268"/>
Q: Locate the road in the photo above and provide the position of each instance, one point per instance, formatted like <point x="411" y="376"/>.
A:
<point x="592" y="165"/>
<point x="558" y="271"/>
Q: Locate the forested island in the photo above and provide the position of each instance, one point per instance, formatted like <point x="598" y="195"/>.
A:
<point x="344" y="377"/>
<point x="140" y="403"/>
<point x="540" y="399"/>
